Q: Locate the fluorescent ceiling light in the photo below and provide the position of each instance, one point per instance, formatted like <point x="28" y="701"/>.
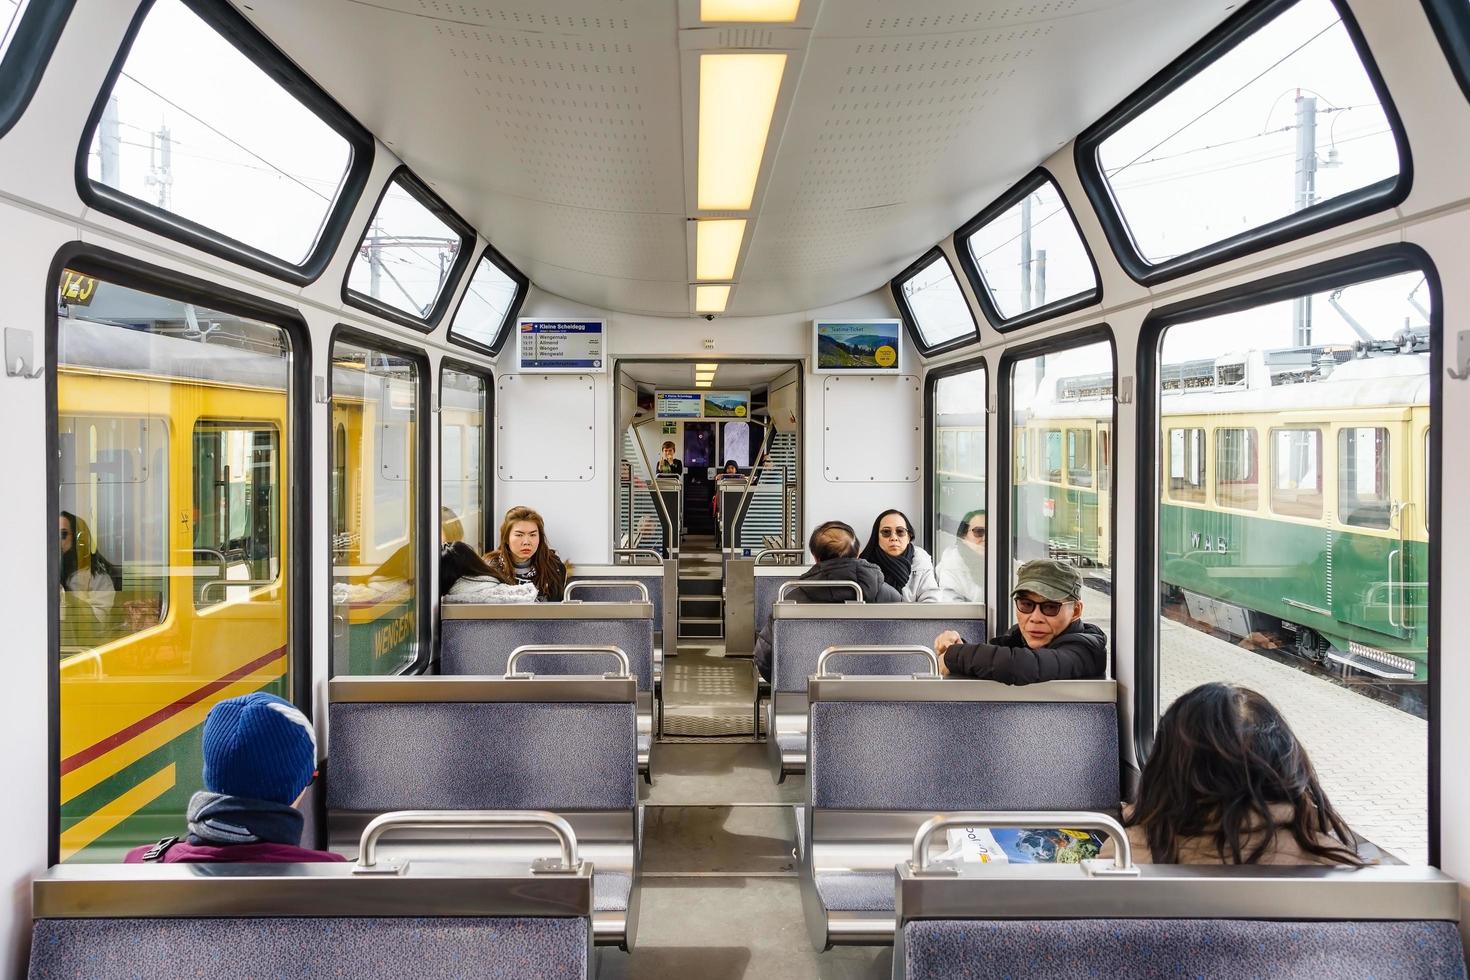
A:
<point x="737" y="98"/>
<point x="716" y="247"/>
<point x="705" y="377"/>
<point x="706" y="367"/>
<point x="702" y="384"/>
<point x="749" y="11"/>
<point x="711" y="299"/>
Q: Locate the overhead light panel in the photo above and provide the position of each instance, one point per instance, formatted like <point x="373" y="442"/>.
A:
<point x="706" y="367"/>
<point x="703" y="384"/>
<point x="749" y="11"/>
<point x="711" y="299"/>
<point x="717" y="247"/>
<point x="705" y="377"/>
<point x="737" y="98"/>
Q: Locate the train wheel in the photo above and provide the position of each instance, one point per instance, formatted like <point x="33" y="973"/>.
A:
<point x="1310" y="646"/>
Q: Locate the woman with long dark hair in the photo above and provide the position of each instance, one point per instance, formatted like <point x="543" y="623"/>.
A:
<point x="466" y="577"/>
<point x="905" y="566"/>
<point x="961" y="569"/>
<point x="91" y="579"/>
<point x="524" y="555"/>
<point x="1228" y="783"/>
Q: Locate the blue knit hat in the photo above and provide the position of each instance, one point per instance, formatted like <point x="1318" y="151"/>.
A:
<point x="258" y="746"/>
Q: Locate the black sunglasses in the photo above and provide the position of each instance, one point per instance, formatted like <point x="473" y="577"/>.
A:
<point x="1027" y="606"/>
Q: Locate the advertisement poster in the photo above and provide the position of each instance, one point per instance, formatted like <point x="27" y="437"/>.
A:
<point x="727" y="405"/>
<point x="677" y="404"/>
<point x="548" y="346"/>
<point x="856" y="346"/>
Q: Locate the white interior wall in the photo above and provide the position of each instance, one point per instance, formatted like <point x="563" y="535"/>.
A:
<point x="578" y="515"/>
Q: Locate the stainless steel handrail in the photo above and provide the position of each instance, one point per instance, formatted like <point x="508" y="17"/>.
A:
<point x="367" y="849"/>
<point x="894" y="650"/>
<point x="1023" y="819"/>
<point x="635" y="552"/>
<point x="778" y="551"/>
<point x="815" y="583"/>
<point x="592" y="583"/>
<point x="766" y="428"/>
<point x="244" y="583"/>
<point x="671" y="527"/>
<point x="567" y="649"/>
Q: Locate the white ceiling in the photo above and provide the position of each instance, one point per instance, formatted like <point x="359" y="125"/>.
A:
<point x="559" y="127"/>
<point x="676" y="374"/>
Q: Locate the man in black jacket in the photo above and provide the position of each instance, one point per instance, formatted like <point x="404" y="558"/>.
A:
<point x="1049" y="641"/>
<point x="834" y="546"/>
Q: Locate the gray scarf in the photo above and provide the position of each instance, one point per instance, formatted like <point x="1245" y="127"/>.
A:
<point x="215" y="818"/>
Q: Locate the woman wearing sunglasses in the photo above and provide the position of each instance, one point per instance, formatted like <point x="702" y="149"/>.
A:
<point x="905" y="566"/>
<point x="961" y="571"/>
<point x="1049" y="641"/>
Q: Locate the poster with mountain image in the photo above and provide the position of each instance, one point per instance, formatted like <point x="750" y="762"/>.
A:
<point x="859" y="346"/>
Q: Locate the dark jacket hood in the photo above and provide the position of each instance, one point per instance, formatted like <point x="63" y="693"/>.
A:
<point x="864" y="573"/>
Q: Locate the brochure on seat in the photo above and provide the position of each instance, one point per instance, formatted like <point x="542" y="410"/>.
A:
<point x="983" y="845"/>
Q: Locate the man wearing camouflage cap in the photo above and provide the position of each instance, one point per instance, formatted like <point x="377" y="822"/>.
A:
<point x="1049" y="641"/>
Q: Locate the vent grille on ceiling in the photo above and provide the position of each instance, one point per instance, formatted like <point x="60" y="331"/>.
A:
<point x="972" y="19"/>
<point x="746" y="37"/>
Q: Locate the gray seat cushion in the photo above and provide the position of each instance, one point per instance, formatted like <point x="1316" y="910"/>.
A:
<point x="1201" y="949"/>
<point x="856" y="891"/>
<point x="302" y="948"/>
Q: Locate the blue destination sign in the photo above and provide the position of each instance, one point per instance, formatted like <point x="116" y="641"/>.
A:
<point x="562" y="345"/>
<point x="678" y="405"/>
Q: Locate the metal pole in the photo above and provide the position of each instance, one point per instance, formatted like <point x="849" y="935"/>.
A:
<point x="1041" y="277"/>
<point x="1306" y="196"/>
<point x="1026" y="253"/>
<point x="109" y="138"/>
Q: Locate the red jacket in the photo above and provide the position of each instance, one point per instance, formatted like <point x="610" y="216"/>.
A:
<point x="182" y="852"/>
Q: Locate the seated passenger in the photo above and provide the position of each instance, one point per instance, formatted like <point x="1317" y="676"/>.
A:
<point x="524" y="555"/>
<point x="961" y="569"/>
<point x="731" y="475"/>
<point x="1228" y="783"/>
<point x="465" y="577"/>
<point x="450" y="526"/>
<point x="90" y="580"/>
<point x="1049" y="641"/>
<point x="259" y="757"/>
<point x="668" y="464"/>
<point x="834" y="547"/>
<point x="905" y="566"/>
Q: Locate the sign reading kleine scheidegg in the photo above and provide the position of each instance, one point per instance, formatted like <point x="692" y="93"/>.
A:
<point x="562" y="345"/>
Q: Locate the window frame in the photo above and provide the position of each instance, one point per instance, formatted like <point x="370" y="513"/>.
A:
<point x="28" y="56"/>
<point x="1273" y="504"/>
<point x="487" y="446"/>
<point x="132" y="273"/>
<point x="1365" y="266"/>
<point x="422" y="522"/>
<point x="911" y="322"/>
<point x="1227" y="500"/>
<point x="523" y="287"/>
<point x="1001" y="522"/>
<point x="1451" y="22"/>
<point x="931" y="446"/>
<point x="1372" y="199"/>
<point x="420" y="192"/>
<point x="1067" y="304"/>
<point x="255" y="46"/>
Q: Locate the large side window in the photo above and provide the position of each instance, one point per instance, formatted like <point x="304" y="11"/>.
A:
<point x="1186" y="464"/>
<point x="491" y="300"/>
<point x="411" y="255"/>
<point x="932" y="305"/>
<point x="1312" y="590"/>
<point x="960" y="522"/>
<point x="1052" y="394"/>
<point x="1274" y="126"/>
<point x="1025" y="256"/>
<point x="229" y="158"/>
<point x="173" y="428"/>
<point x="375" y="559"/>
<point x="463" y="451"/>
<point x="28" y="33"/>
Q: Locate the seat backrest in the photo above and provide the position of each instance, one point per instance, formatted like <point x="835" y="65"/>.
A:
<point x="479" y="639"/>
<point x="118" y="922"/>
<point x="654" y="576"/>
<point x="801" y="631"/>
<point x="915" y="744"/>
<point x="477" y="743"/>
<point x="1245" y="920"/>
<point x="768" y="582"/>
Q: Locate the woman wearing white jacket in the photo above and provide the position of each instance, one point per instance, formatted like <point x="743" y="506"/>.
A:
<point x="906" y="566"/>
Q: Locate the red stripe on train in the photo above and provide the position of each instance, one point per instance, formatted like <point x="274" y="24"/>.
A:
<point x="165" y="713"/>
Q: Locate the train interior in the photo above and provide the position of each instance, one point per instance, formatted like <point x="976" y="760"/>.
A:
<point x="301" y="300"/>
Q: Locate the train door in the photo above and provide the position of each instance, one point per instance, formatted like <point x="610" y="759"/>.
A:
<point x="1374" y="561"/>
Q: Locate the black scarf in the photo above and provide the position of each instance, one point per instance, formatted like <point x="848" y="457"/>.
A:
<point x="216" y="819"/>
<point x="896" y="568"/>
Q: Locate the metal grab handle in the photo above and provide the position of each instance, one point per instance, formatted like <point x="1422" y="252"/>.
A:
<point x="817" y="584"/>
<point x="592" y="583"/>
<point x="367" y="848"/>
<point x="778" y="551"/>
<point x="895" y="650"/>
<point x="1024" y="820"/>
<point x="625" y="666"/>
<point x="635" y="552"/>
<point x="223" y="583"/>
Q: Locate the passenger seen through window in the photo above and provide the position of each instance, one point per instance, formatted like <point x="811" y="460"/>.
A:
<point x="961" y="572"/>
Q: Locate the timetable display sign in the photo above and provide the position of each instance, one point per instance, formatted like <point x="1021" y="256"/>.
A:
<point x="550" y="346"/>
<point x="678" y="405"/>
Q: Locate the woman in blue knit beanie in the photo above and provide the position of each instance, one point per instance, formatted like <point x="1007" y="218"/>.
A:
<point x="259" y="757"/>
